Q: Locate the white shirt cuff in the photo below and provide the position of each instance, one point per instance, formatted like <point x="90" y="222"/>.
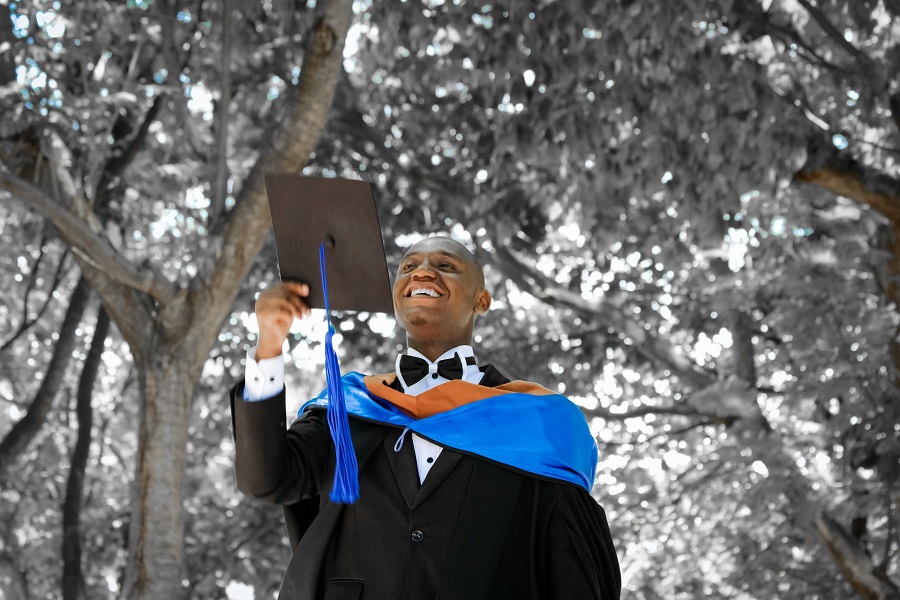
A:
<point x="263" y="379"/>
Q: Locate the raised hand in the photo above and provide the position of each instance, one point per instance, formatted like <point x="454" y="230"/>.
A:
<point x="276" y="309"/>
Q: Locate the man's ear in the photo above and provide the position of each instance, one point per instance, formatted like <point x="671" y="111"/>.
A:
<point x="482" y="302"/>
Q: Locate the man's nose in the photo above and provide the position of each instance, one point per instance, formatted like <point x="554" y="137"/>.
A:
<point x="423" y="270"/>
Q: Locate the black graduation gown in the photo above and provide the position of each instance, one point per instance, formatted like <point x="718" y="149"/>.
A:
<point x="493" y="533"/>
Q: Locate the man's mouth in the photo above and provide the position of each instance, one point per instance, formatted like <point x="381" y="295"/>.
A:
<point x="419" y="292"/>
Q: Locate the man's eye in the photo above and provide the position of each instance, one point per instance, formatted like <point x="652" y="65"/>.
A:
<point x="408" y="267"/>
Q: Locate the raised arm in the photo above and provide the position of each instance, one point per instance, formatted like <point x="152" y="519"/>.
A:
<point x="273" y="463"/>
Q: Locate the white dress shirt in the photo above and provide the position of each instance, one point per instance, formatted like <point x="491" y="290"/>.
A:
<point x="265" y="378"/>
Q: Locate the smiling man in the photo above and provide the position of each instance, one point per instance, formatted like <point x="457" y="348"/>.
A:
<point x="490" y="500"/>
<point x="438" y="292"/>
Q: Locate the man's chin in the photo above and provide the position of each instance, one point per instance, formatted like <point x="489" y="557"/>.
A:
<point x="417" y="321"/>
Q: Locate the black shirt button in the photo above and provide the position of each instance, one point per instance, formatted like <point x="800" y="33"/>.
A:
<point x="429" y="460"/>
<point x="434" y="375"/>
<point x="417" y="535"/>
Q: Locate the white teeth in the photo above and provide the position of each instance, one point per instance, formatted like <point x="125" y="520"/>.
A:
<point x="424" y="292"/>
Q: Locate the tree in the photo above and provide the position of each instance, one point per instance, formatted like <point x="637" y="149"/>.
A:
<point x="80" y="183"/>
<point x="686" y="210"/>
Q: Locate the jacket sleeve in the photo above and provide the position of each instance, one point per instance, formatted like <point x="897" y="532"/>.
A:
<point x="273" y="463"/>
<point x="581" y="560"/>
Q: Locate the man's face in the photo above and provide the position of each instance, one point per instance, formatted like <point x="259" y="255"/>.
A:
<point x="439" y="291"/>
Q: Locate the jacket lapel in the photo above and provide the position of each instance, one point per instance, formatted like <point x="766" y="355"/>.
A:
<point x="403" y="464"/>
<point x="442" y="467"/>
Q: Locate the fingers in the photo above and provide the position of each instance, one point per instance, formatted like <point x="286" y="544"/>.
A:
<point x="298" y="291"/>
<point x="278" y="306"/>
<point x="291" y="301"/>
<point x="283" y="302"/>
<point x="276" y="309"/>
<point x="301" y="289"/>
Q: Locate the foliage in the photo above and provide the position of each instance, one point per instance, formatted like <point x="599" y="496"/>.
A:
<point x="629" y="174"/>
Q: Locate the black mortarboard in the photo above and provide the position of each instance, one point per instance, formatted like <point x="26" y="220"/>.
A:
<point x="307" y="211"/>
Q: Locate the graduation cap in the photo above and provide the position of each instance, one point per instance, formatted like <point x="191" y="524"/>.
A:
<point x="327" y="235"/>
<point x="307" y="211"/>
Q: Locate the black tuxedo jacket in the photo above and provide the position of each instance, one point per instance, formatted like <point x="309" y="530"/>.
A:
<point x="473" y="530"/>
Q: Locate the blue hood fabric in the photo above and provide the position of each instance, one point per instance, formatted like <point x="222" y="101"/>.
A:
<point x="545" y="435"/>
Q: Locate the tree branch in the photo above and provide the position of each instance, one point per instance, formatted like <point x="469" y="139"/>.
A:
<point x="72" y="577"/>
<point x="246" y="227"/>
<point x="642" y="411"/>
<point x="643" y="342"/>
<point x="832" y="32"/>
<point x="894" y="103"/>
<point x="661" y="433"/>
<point x="220" y="183"/>
<point x="176" y="62"/>
<point x="793" y="36"/>
<point x="8" y="56"/>
<point x="26" y="323"/>
<point x="87" y="245"/>
<point x="120" y="161"/>
<point x="889" y="538"/>
<point x="24" y="431"/>
<point x="844" y="176"/>
<point x="854" y="562"/>
<point x="752" y="10"/>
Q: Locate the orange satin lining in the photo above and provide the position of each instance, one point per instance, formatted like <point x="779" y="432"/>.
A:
<point x="446" y="396"/>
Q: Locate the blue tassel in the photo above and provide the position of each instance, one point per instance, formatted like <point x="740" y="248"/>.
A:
<point x="346" y="472"/>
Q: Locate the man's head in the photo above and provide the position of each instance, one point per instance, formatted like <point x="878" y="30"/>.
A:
<point x="438" y="293"/>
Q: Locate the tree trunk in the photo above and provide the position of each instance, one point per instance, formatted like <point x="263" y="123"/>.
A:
<point x="71" y="550"/>
<point x="30" y="425"/>
<point x="156" y="567"/>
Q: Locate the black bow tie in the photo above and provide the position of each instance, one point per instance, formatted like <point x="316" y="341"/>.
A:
<point x="414" y="369"/>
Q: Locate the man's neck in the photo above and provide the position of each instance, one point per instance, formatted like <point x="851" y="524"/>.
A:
<point x="433" y="350"/>
<point x="465" y="352"/>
